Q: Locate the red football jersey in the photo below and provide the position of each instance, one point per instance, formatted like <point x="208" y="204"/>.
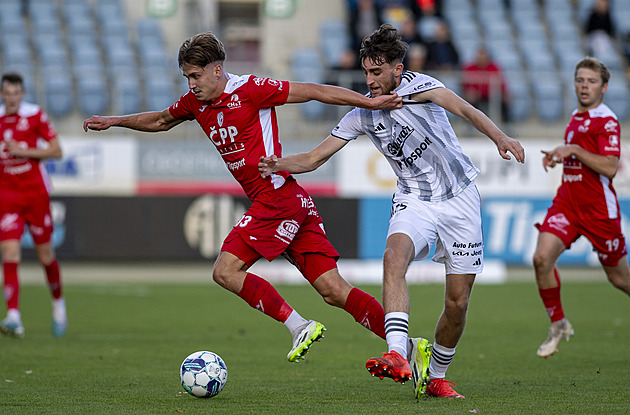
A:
<point x="591" y="195"/>
<point x="242" y="124"/>
<point x="27" y="127"/>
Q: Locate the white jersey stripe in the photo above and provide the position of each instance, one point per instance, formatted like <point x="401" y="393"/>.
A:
<point x="266" y="126"/>
<point x="609" y="196"/>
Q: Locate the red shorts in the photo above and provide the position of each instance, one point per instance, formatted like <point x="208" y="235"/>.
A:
<point x="605" y="234"/>
<point x="32" y="210"/>
<point x="284" y="221"/>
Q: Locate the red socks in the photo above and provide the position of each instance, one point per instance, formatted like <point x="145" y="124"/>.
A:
<point x="54" y="279"/>
<point x="262" y="296"/>
<point x="11" y="285"/>
<point x="551" y="300"/>
<point x="366" y="311"/>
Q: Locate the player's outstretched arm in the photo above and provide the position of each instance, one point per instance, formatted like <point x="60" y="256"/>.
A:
<point x="145" y="121"/>
<point x="605" y="165"/>
<point x="336" y="95"/>
<point x="452" y="102"/>
<point x="303" y="162"/>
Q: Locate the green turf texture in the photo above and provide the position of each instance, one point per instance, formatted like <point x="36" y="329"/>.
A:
<point x="125" y="343"/>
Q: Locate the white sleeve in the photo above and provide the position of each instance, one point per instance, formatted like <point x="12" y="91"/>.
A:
<point x="349" y="128"/>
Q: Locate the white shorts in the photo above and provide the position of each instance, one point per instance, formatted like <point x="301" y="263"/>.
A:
<point x="454" y="226"/>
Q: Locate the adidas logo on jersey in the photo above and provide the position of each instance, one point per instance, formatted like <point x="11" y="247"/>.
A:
<point x="379" y="127"/>
<point x="477" y="262"/>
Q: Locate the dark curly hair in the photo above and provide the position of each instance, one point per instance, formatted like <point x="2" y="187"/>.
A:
<point x="384" y="45"/>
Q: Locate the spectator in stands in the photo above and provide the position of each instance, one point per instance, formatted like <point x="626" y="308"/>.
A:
<point x="483" y="84"/>
<point x="428" y="21"/>
<point x="442" y="54"/>
<point x="365" y="17"/>
<point x="600" y="29"/>
<point x="416" y="58"/>
<point x="396" y="12"/>
<point x="25" y="200"/>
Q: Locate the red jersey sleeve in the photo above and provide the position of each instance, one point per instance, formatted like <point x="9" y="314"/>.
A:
<point x="45" y="128"/>
<point x="607" y="137"/>
<point x="266" y="92"/>
<point x="182" y="109"/>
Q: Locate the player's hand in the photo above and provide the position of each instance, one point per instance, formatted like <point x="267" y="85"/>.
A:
<point x="386" y="102"/>
<point x="266" y="165"/>
<point x="555" y="156"/>
<point x="15" y="150"/>
<point x="511" y="145"/>
<point x="97" y="123"/>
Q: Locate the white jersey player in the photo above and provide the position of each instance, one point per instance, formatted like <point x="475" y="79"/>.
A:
<point x="437" y="203"/>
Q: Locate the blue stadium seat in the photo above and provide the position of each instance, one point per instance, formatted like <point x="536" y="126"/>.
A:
<point x="306" y="66"/>
<point x="59" y="96"/>
<point x="549" y="97"/>
<point x="126" y="97"/>
<point x="520" y="100"/>
<point x="334" y="40"/>
<point x="148" y="27"/>
<point x="92" y="94"/>
<point x="159" y="92"/>
<point x="616" y="97"/>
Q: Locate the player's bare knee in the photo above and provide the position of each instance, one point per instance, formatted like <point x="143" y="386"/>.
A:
<point x="333" y="294"/>
<point x="220" y="275"/>
<point x="456" y="308"/>
<point x="541" y="261"/>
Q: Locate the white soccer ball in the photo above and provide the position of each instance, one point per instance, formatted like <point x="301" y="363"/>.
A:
<point x="203" y="374"/>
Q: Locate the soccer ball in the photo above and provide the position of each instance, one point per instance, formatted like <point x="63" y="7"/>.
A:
<point x="203" y="374"/>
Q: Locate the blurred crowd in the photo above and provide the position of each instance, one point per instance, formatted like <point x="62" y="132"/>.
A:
<point x="431" y="49"/>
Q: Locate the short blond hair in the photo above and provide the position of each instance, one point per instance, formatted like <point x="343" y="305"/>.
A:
<point x="596" y="65"/>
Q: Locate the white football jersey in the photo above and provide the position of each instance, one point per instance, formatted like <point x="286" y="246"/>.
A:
<point x="417" y="140"/>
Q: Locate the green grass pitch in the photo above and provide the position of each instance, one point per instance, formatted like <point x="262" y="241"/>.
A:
<point x="125" y="343"/>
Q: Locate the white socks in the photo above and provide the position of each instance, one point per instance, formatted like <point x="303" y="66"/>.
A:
<point x="440" y="360"/>
<point x="295" y="323"/>
<point x="396" y="332"/>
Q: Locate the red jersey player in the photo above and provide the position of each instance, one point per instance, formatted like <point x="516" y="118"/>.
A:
<point x="586" y="202"/>
<point x="237" y="114"/>
<point x="24" y="199"/>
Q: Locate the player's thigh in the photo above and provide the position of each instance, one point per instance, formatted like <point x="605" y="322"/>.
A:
<point x="38" y="218"/>
<point x="10" y="250"/>
<point x="458" y="289"/>
<point x="561" y="222"/>
<point x="549" y="247"/>
<point x="417" y="220"/>
<point x="619" y="275"/>
<point x="460" y="243"/>
<point x="607" y="239"/>
<point x="311" y="252"/>
<point x="11" y="218"/>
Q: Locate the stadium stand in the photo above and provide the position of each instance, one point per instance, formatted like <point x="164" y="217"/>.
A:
<point x="60" y="44"/>
<point x="306" y="65"/>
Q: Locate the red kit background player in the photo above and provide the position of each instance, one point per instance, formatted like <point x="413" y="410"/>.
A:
<point x="25" y="200"/>
<point x="238" y="116"/>
<point x="586" y="202"/>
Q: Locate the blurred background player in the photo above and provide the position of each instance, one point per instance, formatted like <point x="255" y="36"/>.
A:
<point x="25" y="199"/>
<point x="437" y="203"/>
<point x="237" y="114"/>
<point x="586" y="201"/>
